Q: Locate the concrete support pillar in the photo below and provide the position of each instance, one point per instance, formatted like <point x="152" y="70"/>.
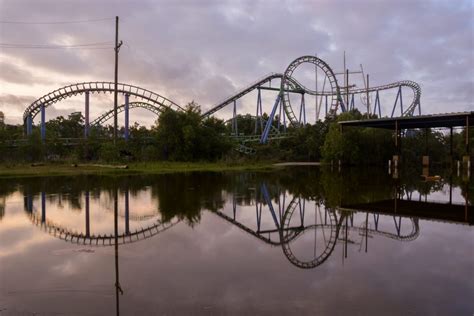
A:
<point x="396" y="157"/>
<point x="467" y="135"/>
<point x="43" y="123"/>
<point x="127" y="97"/>
<point x="467" y="158"/>
<point x="86" y="115"/>
<point x="451" y="145"/>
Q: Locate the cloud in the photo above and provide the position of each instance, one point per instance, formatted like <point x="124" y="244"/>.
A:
<point x="15" y="102"/>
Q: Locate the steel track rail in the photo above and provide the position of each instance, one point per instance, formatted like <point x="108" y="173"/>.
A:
<point x="96" y="87"/>
<point x="110" y="114"/>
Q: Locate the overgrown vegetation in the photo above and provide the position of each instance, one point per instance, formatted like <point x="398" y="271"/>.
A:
<point x="184" y="136"/>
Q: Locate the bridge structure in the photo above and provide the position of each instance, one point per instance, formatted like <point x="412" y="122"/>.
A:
<point x="284" y="113"/>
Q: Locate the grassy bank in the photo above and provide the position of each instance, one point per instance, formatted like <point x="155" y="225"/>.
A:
<point x="58" y="169"/>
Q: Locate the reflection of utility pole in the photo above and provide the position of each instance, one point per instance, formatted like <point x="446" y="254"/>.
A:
<point x="118" y="288"/>
<point x="117" y="48"/>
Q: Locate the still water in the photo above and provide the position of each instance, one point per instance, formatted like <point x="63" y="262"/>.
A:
<point x="300" y="241"/>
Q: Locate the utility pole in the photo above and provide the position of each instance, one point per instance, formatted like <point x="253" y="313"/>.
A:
<point x="316" y="89"/>
<point x="367" y="96"/>
<point x="117" y="48"/>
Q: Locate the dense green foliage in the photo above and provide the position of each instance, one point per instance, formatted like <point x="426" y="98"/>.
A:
<point x="369" y="146"/>
<point x="184" y="136"/>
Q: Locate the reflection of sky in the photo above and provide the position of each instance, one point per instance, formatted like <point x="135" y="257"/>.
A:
<point x="60" y="211"/>
<point x="216" y="268"/>
<point x="441" y="196"/>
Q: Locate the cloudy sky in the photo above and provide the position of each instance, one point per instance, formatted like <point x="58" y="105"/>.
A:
<point x="205" y="50"/>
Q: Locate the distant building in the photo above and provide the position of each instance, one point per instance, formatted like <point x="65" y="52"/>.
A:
<point x="2" y="119"/>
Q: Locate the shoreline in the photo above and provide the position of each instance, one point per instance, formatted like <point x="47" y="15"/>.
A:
<point x="67" y="169"/>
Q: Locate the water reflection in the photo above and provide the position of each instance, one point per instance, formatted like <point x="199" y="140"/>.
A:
<point x="287" y="217"/>
<point x="306" y="219"/>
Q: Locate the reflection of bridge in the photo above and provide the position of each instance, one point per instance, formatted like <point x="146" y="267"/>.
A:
<point x="87" y="238"/>
<point x="453" y="213"/>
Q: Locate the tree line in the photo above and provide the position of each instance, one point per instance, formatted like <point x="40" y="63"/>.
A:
<point x="184" y="136"/>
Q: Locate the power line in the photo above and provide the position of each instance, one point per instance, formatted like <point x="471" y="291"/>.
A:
<point x="109" y="47"/>
<point x="56" y="22"/>
<point x="97" y="45"/>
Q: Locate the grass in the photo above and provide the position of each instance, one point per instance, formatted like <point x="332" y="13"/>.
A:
<point x="62" y="169"/>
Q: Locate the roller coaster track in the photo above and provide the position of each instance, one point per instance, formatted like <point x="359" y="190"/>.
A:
<point x="415" y="87"/>
<point x="335" y="228"/>
<point x="255" y="85"/>
<point x="334" y="233"/>
<point x="110" y="114"/>
<point x="289" y="84"/>
<point x="292" y="232"/>
<point x="65" y="234"/>
<point x="107" y="87"/>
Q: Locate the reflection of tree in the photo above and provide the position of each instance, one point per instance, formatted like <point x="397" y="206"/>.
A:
<point x="185" y="195"/>
<point x="2" y="207"/>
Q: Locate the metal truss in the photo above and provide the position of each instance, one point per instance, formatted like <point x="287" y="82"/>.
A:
<point x="156" y="109"/>
<point x="96" y="87"/>
<point x="68" y="235"/>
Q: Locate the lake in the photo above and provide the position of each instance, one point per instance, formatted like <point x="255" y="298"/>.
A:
<point x="293" y="241"/>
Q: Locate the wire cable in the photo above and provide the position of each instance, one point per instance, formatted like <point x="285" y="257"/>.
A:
<point x="57" y="22"/>
<point x="97" y="45"/>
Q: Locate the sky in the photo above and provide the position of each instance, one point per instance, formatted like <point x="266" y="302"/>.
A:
<point x="206" y="50"/>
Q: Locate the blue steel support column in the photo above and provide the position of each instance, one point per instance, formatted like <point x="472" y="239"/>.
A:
<point x="127" y="213"/>
<point x="86" y="115"/>
<point x="259" y="112"/>
<point x="268" y="126"/>
<point x="43" y="123"/>
<point x="234" y="120"/>
<point x="326" y="105"/>
<point x="126" y="116"/>
<point x="302" y="110"/>
<point x="29" y="125"/>
<point x="43" y="207"/>
<point x="401" y="100"/>
<point x="396" y="101"/>
<point x="258" y="209"/>
<point x="279" y="116"/>
<point x="88" y="226"/>
<point x="377" y="104"/>
<point x="268" y="200"/>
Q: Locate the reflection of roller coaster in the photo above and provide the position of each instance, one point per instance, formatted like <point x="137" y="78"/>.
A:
<point x="287" y="228"/>
<point x="66" y="234"/>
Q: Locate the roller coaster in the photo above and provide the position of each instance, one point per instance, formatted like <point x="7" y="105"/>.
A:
<point x="332" y="93"/>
